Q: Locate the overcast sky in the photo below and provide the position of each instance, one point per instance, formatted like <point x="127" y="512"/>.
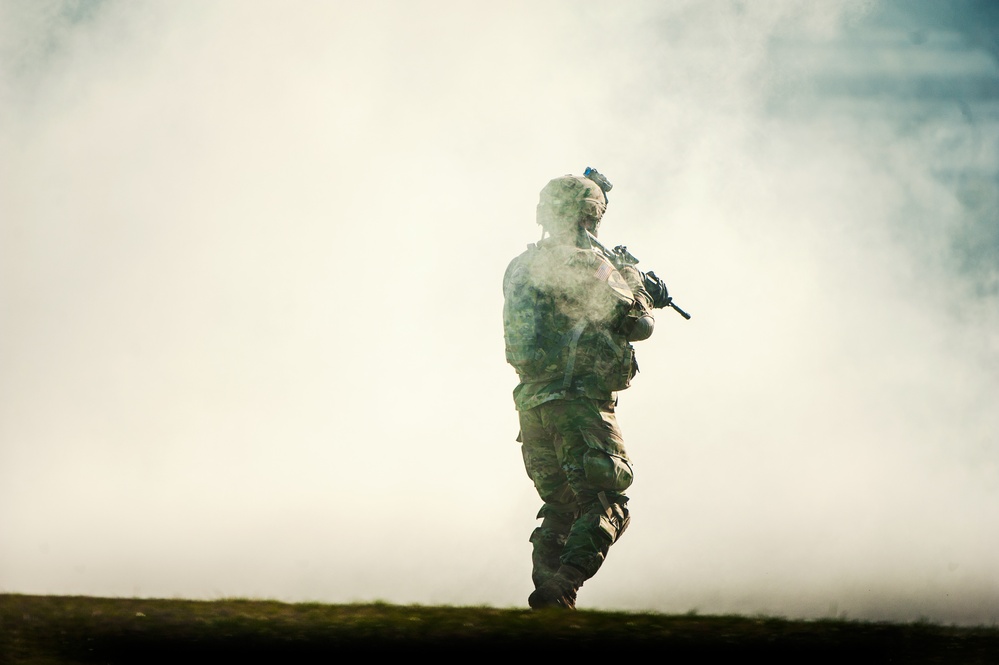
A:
<point x="250" y="298"/>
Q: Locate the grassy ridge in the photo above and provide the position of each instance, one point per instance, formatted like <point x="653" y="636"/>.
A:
<point x="42" y="630"/>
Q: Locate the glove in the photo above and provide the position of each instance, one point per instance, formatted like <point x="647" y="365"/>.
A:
<point x="657" y="289"/>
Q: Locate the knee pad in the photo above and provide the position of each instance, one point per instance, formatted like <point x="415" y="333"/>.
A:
<point x="615" y="515"/>
<point x="607" y="524"/>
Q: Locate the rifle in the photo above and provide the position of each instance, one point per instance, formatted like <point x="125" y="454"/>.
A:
<point x="620" y="257"/>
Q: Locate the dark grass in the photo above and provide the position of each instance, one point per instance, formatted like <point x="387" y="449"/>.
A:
<point x="41" y="630"/>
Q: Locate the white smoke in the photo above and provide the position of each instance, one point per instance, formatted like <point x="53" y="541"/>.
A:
<point x="251" y="257"/>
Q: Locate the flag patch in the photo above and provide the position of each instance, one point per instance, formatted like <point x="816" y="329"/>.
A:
<point x="603" y="272"/>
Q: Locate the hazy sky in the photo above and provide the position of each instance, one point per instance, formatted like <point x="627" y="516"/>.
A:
<point x="250" y="297"/>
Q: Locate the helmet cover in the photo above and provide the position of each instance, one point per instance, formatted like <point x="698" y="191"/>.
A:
<point x="566" y="200"/>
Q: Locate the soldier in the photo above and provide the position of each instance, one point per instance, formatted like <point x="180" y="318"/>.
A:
<point x="569" y="318"/>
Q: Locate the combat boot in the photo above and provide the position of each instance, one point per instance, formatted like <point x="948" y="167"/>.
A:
<point x="559" y="591"/>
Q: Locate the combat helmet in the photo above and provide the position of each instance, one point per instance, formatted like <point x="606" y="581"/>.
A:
<point x="567" y="201"/>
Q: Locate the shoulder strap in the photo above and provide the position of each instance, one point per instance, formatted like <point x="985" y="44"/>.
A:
<point x="572" y="337"/>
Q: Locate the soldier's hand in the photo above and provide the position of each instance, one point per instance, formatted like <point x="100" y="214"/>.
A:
<point x="657" y="289"/>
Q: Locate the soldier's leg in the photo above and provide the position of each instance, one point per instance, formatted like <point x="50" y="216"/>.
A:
<point x="541" y="461"/>
<point x="604" y="518"/>
<point x="598" y="471"/>
<point x="549" y="540"/>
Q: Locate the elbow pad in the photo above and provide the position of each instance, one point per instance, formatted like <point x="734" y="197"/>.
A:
<point x="641" y="328"/>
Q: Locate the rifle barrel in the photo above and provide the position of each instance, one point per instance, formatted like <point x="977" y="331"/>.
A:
<point x="682" y="313"/>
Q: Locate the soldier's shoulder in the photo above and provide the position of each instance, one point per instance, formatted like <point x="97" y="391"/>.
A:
<point x="585" y="256"/>
<point x="518" y="265"/>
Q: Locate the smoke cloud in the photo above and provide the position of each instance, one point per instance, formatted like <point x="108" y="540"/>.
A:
<point x="250" y="298"/>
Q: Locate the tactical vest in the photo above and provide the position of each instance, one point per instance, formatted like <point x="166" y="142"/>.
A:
<point x="551" y="338"/>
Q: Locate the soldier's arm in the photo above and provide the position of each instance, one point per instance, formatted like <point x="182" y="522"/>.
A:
<point x="640" y="323"/>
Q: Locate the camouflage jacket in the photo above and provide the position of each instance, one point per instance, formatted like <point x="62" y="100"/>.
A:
<point x="566" y="317"/>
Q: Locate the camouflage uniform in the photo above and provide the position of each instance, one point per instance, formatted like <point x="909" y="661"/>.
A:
<point x="567" y="317"/>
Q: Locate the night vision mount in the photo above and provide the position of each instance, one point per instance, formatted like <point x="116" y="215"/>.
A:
<point x="597" y="177"/>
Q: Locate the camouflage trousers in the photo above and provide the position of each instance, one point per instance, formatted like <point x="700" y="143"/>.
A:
<point x="574" y="453"/>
